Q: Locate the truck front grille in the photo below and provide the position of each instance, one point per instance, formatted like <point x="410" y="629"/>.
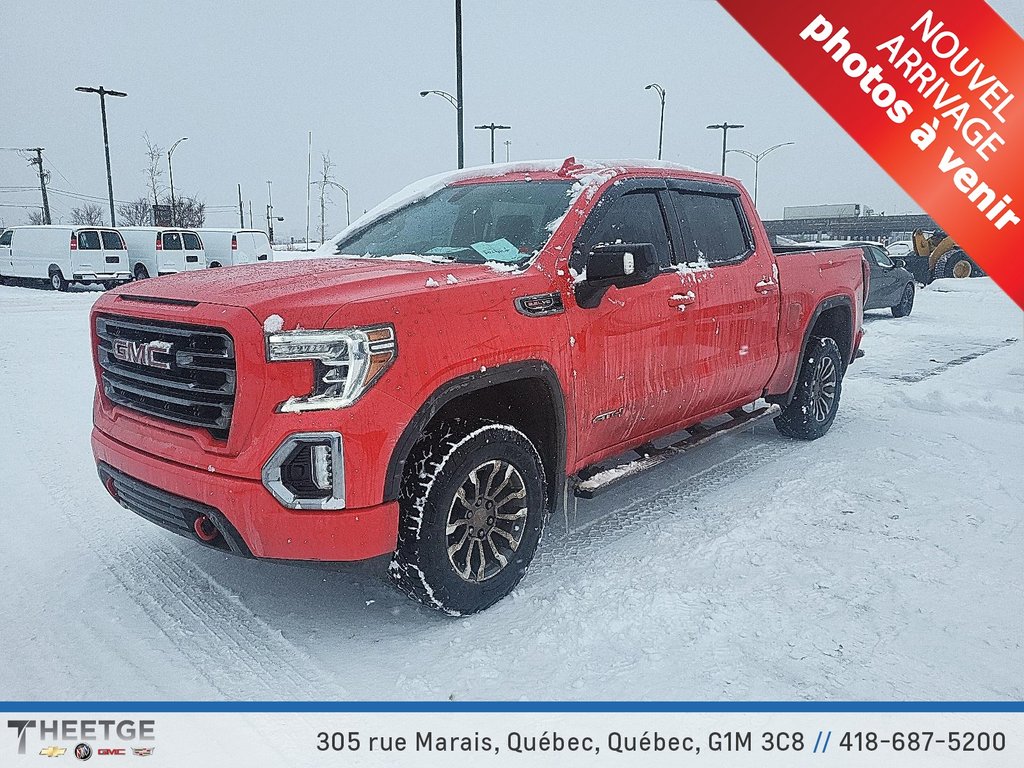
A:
<point x="180" y="373"/>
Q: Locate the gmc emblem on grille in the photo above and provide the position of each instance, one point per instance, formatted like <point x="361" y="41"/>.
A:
<point x="142" y="352"/>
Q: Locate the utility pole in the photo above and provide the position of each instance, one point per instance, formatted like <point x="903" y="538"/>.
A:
<point x="241" y="212"/>
<point x="492" y="127"/>
<point x="661" y="129"/>
<point x="103" y="93"/>
<point x="724" y="128"/>
<point x="508" y="152"/>
<point x="270" y="213"/>
<point x="38" y="161"/>
<point x="458" y="83"/>
<point x="309" y="179"/>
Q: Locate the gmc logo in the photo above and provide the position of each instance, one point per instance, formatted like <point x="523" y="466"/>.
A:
<point x="142" y="352"/>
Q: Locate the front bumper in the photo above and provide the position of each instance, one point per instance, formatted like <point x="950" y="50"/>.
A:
<point x="263" y="526"/>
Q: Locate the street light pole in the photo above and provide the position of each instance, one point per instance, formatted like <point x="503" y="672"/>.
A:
<point x="458" y="81"/>
<point x="661" y="129"/>
<point x="757" y="158"/>
<point x="508" y="149"/>
<point x="103" y="93"/>
<point x="724" y="128"/>
<point x="170" y="175"/>
<point x="458" y="111"/>
<point x="492" y="127"/>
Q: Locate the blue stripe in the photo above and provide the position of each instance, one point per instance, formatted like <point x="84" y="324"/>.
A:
<point x="512" y="706"/>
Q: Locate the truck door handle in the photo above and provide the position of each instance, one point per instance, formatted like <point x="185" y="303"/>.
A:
<point x="766" y="286"/>
<point x="682" y="299"/>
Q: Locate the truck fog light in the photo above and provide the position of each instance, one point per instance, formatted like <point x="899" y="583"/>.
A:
<point x="307" y="472"/>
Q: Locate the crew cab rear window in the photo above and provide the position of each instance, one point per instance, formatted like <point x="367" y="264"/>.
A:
<point x="192" y="241"/>
<point x="712" y="227"/>
<point x="88" y="240"/>
<point x="172" y="241"/>
<point x="635" y="218"/>
<point x="112" y="241"/>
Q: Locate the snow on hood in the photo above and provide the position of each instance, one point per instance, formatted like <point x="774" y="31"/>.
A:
<point x="589" y="175"/>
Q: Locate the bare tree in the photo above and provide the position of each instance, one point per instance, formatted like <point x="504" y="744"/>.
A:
<point x="136" y="213"/>
<point x="35" y="217"/>
<point x="87" y="213"/>
<point x="189" y="211"/>
<point x="327" y="180"/>
<point x="155" y="170"/>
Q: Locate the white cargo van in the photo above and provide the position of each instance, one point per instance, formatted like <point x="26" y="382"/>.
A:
<point x="64" y="254"/>
<point x="154" y="251"/>
<point x="228" y="247"/>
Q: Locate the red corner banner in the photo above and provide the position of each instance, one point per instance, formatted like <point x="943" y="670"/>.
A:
<point x="933" y="91"/>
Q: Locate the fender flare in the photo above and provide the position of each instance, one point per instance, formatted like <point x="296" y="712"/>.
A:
<point x="473" y="382"/>
<point x="823" y="306"/>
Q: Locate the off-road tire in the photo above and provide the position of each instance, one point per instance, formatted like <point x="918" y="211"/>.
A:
<point x="441" y="465"/>
<point x="820" y="376"/>
<point x="906" y="303"/>
<point x="57" y="281"/>
<point x="947" y="265"/>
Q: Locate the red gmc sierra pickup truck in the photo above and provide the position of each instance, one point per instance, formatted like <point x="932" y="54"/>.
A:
<point x="458" y="361"/>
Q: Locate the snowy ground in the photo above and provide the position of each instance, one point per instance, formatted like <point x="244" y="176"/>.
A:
<point x="884" y="561"/>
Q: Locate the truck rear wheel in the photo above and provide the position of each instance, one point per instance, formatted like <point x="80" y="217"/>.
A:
<point x="141" y="273"/>
<point x="472" y="507"/>
<point x="819" y="383"/>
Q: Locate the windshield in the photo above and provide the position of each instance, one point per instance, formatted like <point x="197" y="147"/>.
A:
<point x="473" y="223"/>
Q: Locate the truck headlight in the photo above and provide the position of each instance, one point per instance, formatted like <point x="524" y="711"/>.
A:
<point x="346" y="363"/>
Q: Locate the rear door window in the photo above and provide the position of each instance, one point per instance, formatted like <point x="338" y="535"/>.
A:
<point x="5" y="238"/>
<point x="112" y="241"/>
<point x="635" y="218"/>
<point x="192" y="241"/>
<point x="172" y="241"/>
<point x="88" y="240"/>
<point x="712" y="228"/>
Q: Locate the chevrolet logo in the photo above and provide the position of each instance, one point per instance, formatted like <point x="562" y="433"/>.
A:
<point x="52" y="751"/>
<point x="142" y="352"/>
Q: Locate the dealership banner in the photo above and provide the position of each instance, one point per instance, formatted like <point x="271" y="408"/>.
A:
<point x="933" y="91"/>
<point x="526" y="734"/>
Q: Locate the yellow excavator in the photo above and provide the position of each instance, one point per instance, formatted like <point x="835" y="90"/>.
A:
<point x="938" y="255"/>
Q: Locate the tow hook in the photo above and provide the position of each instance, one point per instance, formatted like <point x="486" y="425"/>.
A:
<point x="205" y="529"/>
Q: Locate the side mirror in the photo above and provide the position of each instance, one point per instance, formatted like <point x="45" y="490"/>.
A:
<point x="902" y="263"/>
<point x="621" y="265"/>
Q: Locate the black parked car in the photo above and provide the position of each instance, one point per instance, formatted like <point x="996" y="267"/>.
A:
<point x="892" y="284"/>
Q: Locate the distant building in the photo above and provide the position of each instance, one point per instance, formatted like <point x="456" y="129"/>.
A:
<point x="877" y="229"/>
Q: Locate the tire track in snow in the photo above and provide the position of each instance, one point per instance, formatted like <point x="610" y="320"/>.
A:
<point x="230" y="647"/>
<point x="914" y="378"/>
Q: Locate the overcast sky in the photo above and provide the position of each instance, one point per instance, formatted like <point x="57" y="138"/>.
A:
<point x="246" y="81"/>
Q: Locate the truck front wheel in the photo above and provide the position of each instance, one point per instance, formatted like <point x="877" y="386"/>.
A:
<point x="472" y="507"/>
<point x="813" y="408"/>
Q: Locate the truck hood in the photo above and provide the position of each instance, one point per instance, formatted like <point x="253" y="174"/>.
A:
<point x="313" y="289"/>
